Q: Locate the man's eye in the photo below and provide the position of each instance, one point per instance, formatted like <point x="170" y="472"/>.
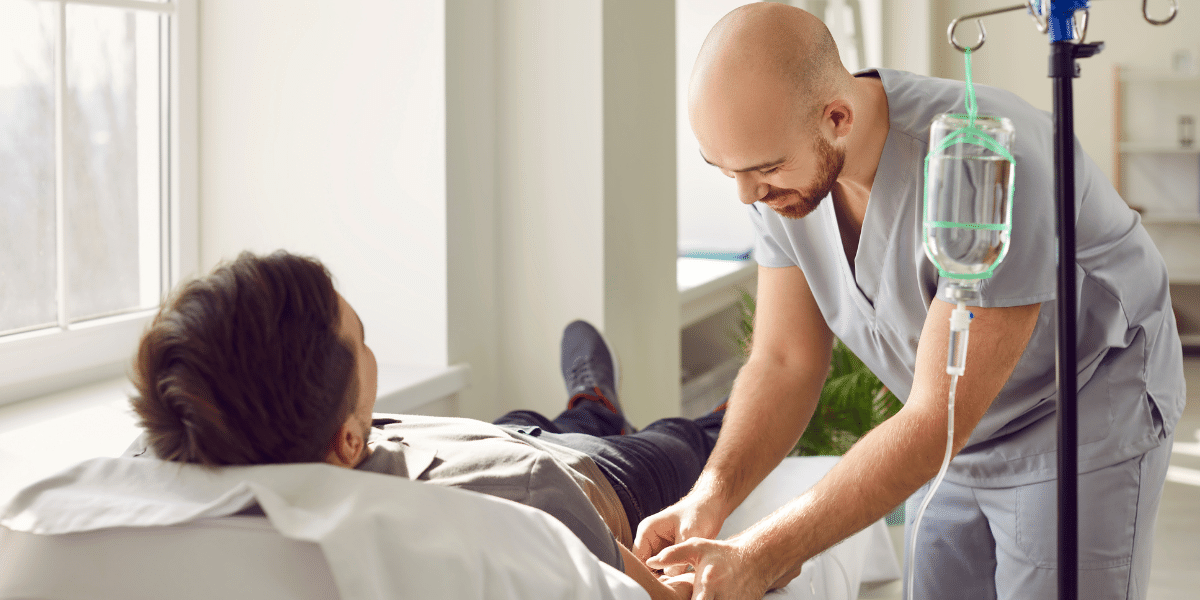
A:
<point x="769" y="171"/>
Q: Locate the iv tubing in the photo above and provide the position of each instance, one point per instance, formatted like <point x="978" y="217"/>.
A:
<point x="960" y="322"/>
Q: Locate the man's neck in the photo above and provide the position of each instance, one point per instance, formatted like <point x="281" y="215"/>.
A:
<point x="864" y="147"/>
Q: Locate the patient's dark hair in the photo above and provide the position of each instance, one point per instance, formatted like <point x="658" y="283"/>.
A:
<point x="245" y="366"/>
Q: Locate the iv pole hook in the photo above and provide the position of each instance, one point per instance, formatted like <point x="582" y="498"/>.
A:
<point x="978" y="45"/>
<point x="1028" y="5"/>
<point x="1170" y="17"/>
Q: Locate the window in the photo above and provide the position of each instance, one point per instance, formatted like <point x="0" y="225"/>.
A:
<point x="89" y="183"/>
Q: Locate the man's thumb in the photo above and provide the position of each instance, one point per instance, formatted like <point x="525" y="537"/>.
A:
<point x="684" y="553"/>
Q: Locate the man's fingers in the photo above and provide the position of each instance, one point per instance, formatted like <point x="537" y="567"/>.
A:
<point x="641" y="547"/>
<point x="645" y="548"/>
<point x="700" y="585"/>
<point x="652" y="536"/>
<point x="677" y="570"/>
<point x="685" y="553"/>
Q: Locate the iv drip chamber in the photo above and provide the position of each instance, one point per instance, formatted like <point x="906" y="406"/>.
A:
<point x="968" y="194"/>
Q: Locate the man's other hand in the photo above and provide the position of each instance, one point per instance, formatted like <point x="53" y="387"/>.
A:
<point x="681" y="521"/>
<point x="723" y="569"/>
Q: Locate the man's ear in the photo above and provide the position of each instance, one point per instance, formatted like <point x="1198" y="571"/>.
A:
<point x="346" y="448"/>
<point x="840" y="114"/>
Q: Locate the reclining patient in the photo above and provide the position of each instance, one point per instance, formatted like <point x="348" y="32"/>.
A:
<point x="263" y="362"/>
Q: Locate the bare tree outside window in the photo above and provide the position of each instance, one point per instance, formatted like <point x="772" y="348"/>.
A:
<point x="28" y="290"/>
<point x="101" y="158"/>
<point x="110" y="169"/>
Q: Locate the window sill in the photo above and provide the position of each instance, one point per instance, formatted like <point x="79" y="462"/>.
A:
<point x="708" y="286"/>
<point x="41" y="436"/>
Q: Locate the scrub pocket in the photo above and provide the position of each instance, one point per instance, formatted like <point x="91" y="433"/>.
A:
<point x="1117" y="509"/>
<point x="1108" y="503"/>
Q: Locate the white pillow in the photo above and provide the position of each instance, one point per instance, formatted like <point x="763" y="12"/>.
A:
<point x="381" y="536"/>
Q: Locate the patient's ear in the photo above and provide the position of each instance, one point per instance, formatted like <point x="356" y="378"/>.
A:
<point x="347" y="447"/>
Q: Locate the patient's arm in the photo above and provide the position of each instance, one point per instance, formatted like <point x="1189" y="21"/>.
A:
<point x="675" y="588"/>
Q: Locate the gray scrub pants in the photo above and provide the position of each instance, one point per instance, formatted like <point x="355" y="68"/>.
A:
<point x="1001" y="543"/>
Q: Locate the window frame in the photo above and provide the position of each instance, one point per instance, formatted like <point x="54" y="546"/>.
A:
<point x="44" y="361"/>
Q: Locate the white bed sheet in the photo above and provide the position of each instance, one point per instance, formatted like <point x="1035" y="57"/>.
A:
<point x="107" y="527"/>
<point x="866" y="557"/>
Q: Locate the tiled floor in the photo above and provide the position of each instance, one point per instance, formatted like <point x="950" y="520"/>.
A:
<point x="1175" y="574"/>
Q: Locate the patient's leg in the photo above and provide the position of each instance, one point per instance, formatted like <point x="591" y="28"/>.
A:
<point x="588" y="417"/>
<point x="650" y="470"/>
<point x="653" y="468"/>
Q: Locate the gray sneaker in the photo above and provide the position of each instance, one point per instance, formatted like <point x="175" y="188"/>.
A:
<point x="590" y="369"/>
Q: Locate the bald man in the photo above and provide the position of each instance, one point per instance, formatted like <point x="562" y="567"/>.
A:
<point x="830" y="166"/>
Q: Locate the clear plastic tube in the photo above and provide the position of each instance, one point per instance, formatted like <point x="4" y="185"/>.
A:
<point x="960" y="323"/>
<point x="937" y="481"/>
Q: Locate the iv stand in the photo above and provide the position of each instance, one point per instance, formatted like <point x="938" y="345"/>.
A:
<point x="1064" y="50"/>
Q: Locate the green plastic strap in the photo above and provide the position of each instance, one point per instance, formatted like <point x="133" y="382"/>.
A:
<point x="952" y="224"/>
<point x="968" y="134"/>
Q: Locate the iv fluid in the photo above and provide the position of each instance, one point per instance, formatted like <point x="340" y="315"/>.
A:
<point x="972" y="190"/>
<point x="968" y="187"/>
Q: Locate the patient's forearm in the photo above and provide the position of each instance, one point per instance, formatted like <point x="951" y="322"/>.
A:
<point x="639" y="572"/>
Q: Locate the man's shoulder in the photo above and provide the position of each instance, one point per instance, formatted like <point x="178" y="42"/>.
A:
<point x="914" y="100"/>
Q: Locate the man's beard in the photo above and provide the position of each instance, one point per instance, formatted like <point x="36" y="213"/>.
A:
<point x="829" y="166"/>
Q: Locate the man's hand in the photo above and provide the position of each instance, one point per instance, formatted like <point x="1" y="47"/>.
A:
<point x="684" y="520"/>
<point x="723" y="569"/>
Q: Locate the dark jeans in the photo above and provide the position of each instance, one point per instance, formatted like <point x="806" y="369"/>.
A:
<point x="650" y="470"/>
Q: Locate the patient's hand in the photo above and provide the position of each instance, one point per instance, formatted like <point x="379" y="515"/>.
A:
<point x="660" y="587"/>
<point x="680" y="585"/>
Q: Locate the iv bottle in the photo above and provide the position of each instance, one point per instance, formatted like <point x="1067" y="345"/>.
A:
<point x="968" y="197"/>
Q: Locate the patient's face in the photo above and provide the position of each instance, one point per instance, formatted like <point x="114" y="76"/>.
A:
<point x="350" y="329"/>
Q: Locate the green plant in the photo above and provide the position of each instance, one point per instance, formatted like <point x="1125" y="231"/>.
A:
<point x="853" y="400"/>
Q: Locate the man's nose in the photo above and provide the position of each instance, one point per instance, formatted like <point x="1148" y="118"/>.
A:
<point x="750" y="189"/>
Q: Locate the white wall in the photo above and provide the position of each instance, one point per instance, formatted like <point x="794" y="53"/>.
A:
<point x="710" y="216"/>
<point x="550" y="188"/>
<point x="322" y="131"/>
<point x="908" y="34"/>
<point x="641" y="310"/>
<point x="585" y="198"/>
<point x="476" y="174"/>
<point x="473" y="314"/>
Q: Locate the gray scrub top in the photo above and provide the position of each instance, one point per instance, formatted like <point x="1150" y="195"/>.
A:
<point x="1130" y="370"/>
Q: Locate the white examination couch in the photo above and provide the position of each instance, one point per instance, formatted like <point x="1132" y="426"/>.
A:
<point x="138" y="528"/>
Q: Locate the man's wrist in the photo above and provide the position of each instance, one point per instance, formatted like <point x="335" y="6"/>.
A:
<point x="712" y="496"/>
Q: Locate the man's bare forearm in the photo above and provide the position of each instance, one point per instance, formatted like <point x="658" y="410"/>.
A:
<point x="882" y="470"/>
<point x="895" y="459"/>
<point x="769" y="408"/>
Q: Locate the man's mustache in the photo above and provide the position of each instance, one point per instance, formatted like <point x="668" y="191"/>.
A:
<point x="778" y="194"/>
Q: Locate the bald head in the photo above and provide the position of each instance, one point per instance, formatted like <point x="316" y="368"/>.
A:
<point x="772" y="106"/>
<point x="769" y="51"/>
